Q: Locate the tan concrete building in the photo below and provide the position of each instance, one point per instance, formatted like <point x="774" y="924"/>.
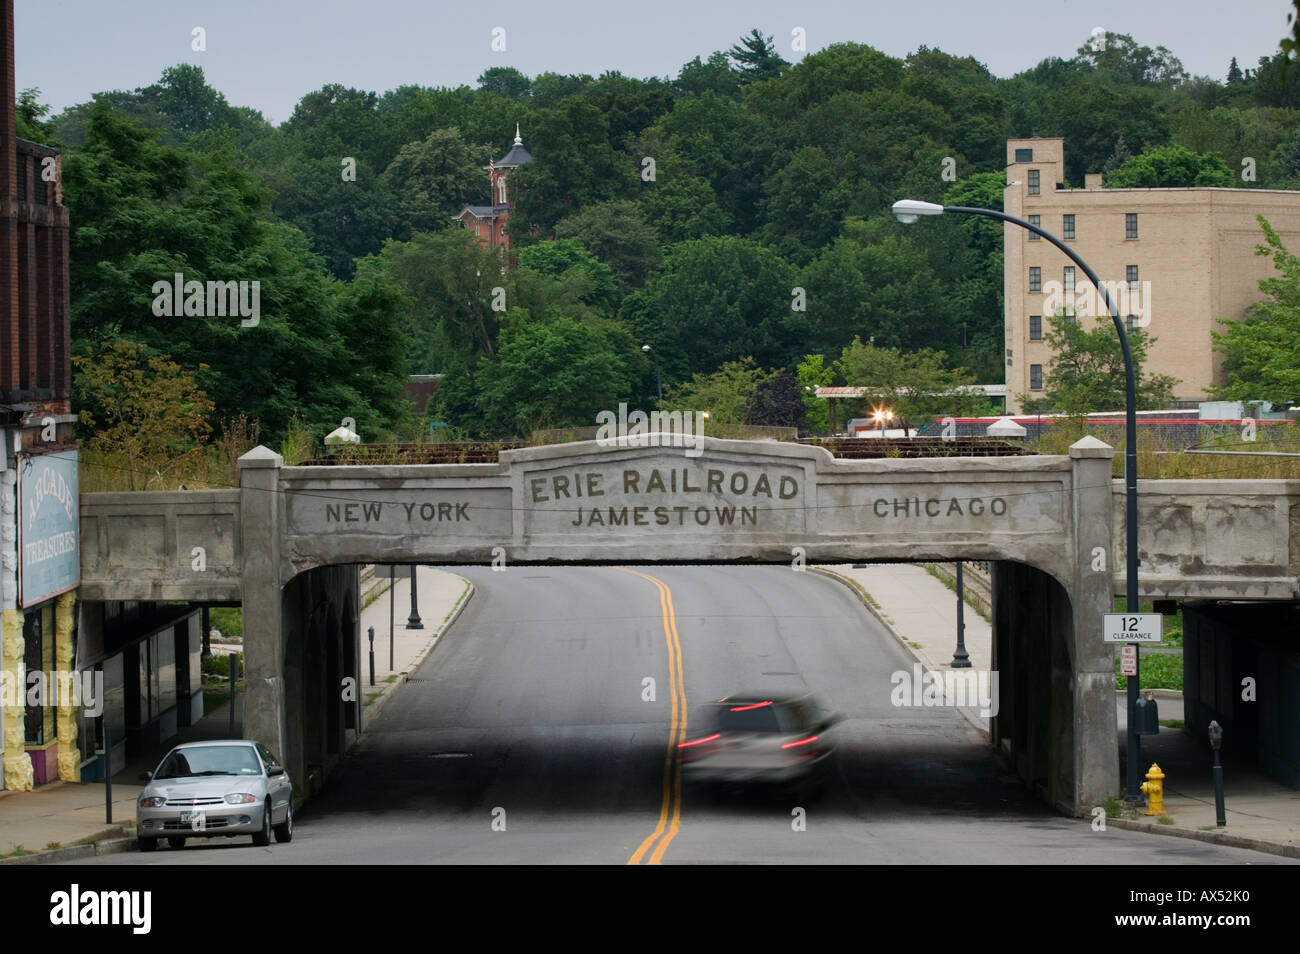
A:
<point x="1176" y="260"/>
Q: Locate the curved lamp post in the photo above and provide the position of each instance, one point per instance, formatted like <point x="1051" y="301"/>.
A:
<point x="908" y="211"/>
<point x="659" y="381"/>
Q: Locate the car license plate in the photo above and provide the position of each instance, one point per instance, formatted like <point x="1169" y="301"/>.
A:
<point x="194" y="819"/>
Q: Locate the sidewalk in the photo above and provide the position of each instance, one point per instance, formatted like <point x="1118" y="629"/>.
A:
<point x="1261" y="814"/>
<point x="65" y="814"/>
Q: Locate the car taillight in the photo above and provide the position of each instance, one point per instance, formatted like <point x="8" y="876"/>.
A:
<point x="791" y="745"/>
<point x="707" y="738"/>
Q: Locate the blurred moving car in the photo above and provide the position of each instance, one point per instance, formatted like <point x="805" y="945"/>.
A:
<point x="752" y="738"/>
<point x="211" y="789"/>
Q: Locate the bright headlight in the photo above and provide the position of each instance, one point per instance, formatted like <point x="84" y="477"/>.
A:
<point x="241" y="798"/>
<point x="153" y="801"/>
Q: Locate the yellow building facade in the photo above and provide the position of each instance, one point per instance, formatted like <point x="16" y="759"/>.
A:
<point x="1176" y="259"/>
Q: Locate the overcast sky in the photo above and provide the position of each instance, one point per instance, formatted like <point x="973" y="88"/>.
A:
<point x="268" y="53"/>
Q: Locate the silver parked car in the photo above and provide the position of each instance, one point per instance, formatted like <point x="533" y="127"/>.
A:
<point x="211" y="789"/>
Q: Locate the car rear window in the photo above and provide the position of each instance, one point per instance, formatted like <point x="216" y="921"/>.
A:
<point x="746" y="719"/>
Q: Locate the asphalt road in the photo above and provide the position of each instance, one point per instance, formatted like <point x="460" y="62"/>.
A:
<point x="526" y="737"/>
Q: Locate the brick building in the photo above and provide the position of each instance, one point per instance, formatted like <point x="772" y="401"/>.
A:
<point x="489" y="221"/>
<point x="39" y="564"/>
<point x="1184" y="257"/>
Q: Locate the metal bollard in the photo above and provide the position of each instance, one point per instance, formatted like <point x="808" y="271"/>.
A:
<point x="233" y="659"/>
<point x="1216" y="740"/>
<point x="372" y="655"/>
<point x="108" y="774"/>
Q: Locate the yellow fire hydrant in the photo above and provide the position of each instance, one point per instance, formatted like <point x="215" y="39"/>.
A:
<point x="1154" y="789"/>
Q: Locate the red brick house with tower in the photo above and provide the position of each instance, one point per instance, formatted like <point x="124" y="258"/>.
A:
<point x="488" y="222"/>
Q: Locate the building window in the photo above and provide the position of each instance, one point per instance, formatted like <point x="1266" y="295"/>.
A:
<point x="1033" y="182"/>
<point x="1067" y="226"/>
<point x="1024" y="155"/>
<point x="1130" y="225"/>
<point x="1035" y="377"/>
<point x="1035" y="220"/>
<point x="1131" y="273"/>
<point x="1035" y="279"/>
<point x="1035" y="327"/>
<point x="1069" y="278"/>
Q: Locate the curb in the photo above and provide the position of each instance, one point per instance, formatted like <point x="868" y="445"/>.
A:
<point x="864" y="598"/>
<point x="371" y="710"/>
<point x="107" y="842"/>
<point x="1213" y="837"/>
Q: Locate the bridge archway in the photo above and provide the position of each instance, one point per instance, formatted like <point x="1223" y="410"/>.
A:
<point x="1045" y="522"/>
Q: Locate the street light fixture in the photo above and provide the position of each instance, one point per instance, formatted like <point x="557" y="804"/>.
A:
<point x="908" y="211"/>
<point x="659" y="381"/>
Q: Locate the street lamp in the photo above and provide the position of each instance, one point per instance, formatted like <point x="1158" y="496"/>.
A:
<point x="659" y="381"/>
<point x="908" y="211"/>
<point x="881" y="417"/>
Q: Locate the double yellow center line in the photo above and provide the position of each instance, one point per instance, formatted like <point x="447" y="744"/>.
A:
<point x="671" y="805"/>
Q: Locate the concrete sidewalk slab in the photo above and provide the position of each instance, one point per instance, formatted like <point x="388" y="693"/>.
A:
<point x="69" y="814"/>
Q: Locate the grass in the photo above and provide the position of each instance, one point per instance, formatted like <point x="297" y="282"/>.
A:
<point x="375" y="595"/>
<point x="1172" y="723"/>
<point x="1155" y="672"/>
<point x="1112" y="806"/>
<point x="18" y="852"/>
<point x="1161" y="458"/>
<point x="53" y="846"/>
<point x="1164" y="820"/>
<point x="971" y="600"/>
<point x="229" y="620"/>
<point x="392" y="678"/>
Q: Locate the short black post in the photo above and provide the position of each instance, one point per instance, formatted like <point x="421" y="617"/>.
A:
<point x="413" y="621"/>
<point x="961" y="658"/>
<point x="108" y="774"/>
<point x="392" y="588"/>
<point x="206" y="624"/>
<point x="1216" y="740"/>
<point x="372" y="655"/>
<point x="234" y="672"/>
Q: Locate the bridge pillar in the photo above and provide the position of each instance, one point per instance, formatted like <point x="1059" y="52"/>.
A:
<point x="1095" y="727"/>
<point x="259" y="507"/>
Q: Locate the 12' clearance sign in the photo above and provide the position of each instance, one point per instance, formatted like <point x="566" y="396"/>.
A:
<point x="50" y="561"/>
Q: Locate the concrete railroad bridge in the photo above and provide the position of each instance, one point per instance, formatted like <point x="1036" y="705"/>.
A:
<point x="287" y="544"/>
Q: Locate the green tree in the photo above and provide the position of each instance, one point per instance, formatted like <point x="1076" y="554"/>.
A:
<point x="1123" y="57"/>
<point x="1087" y="369"/>
<point x="718" y="299"/>
<point x="505" y="81"/>
<point x="723" y="393"/>
<point x="777" y="402"/>
<point x="559" y="373"/>
<point x="1262" y="351"/>
<point x="812" y="374"/>
<point x="577" y="167"/>
<point x="616" y="232"/>
<point x="1171" y="167"/>
<point x="756" y="58"/>
<point x="435" y="178"/>
<point x="567" y="259"/>
<point x="915" y="385"/>
<point x="143" y="411"/>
